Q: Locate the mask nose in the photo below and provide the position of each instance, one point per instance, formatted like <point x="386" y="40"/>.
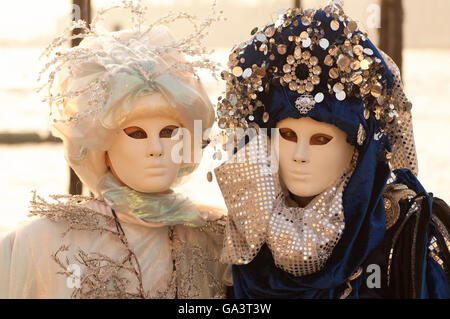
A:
<point x="302" y="152"/>
<point x="155" y="154"/>
<point x="155" y="149"/>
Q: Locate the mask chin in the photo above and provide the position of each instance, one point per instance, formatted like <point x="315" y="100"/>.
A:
<point x="152" y="184"/>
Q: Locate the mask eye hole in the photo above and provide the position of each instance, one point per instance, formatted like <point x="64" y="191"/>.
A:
<point x="320" y="139"/>
<point x="168" y="131"/>
<point x="288" y="134"/>
<point x="135" y="132"/>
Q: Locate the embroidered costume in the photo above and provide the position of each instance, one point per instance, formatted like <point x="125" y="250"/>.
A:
<point x="121" y="243"/>
<point x="318" y="64"/>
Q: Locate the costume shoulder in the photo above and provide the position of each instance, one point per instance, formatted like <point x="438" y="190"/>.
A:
<point x="392" y="195"/>
<point x="75" y="211"/>
<point x="32" y="233"/>
<point x="216" y="219"/>
<point x="398" y="196"/>
<point x="27" y="252"/>
<point x="414" y="255"/>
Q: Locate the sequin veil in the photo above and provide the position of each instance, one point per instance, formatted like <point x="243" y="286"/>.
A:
<point x="314" y="63"/>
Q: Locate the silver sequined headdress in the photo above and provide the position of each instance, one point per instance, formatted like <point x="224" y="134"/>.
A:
<point x="329" y="57"/>
<point x="91" y="87"/>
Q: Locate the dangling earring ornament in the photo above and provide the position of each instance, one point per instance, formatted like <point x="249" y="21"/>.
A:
<point x="209" y="177"/>
<point x="217" y="155"/>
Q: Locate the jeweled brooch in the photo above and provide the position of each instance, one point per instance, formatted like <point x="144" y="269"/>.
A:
<point x="304" y="103"/>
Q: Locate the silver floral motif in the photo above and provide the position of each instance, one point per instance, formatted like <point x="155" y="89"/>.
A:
<point x="304" y="103"/>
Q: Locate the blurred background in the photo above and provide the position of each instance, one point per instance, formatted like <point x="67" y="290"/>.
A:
<point x="414" y="32"/>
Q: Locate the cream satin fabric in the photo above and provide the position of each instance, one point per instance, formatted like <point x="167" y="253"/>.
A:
<point x="27" y="269"/>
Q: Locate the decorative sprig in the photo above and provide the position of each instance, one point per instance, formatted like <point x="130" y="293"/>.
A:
<point x="58" y="56"/>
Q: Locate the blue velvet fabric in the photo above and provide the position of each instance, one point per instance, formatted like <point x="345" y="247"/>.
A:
<point x="362" y="199"/>
<point x="262" y="279"/>
<point x="435" y="283"/>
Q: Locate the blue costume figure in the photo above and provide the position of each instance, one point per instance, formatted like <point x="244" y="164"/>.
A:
<point x="375" y="232"/>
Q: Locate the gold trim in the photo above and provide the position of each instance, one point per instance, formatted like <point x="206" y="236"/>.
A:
<point x="392" y="194"/>
<point x="352" y="277"/>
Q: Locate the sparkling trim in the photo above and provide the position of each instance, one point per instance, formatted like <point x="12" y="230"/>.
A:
<point x="300" y="239"/>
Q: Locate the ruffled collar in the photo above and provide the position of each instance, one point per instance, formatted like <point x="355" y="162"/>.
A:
<point x="301" y="239"/>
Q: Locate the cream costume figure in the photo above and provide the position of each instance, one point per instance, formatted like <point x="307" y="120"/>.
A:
<point x="117" y="100"/>
<point x="343" y="214"/>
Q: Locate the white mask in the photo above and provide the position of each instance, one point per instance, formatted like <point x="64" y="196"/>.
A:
<point x="312" y="155"/>
<point x="140" y="155"/>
